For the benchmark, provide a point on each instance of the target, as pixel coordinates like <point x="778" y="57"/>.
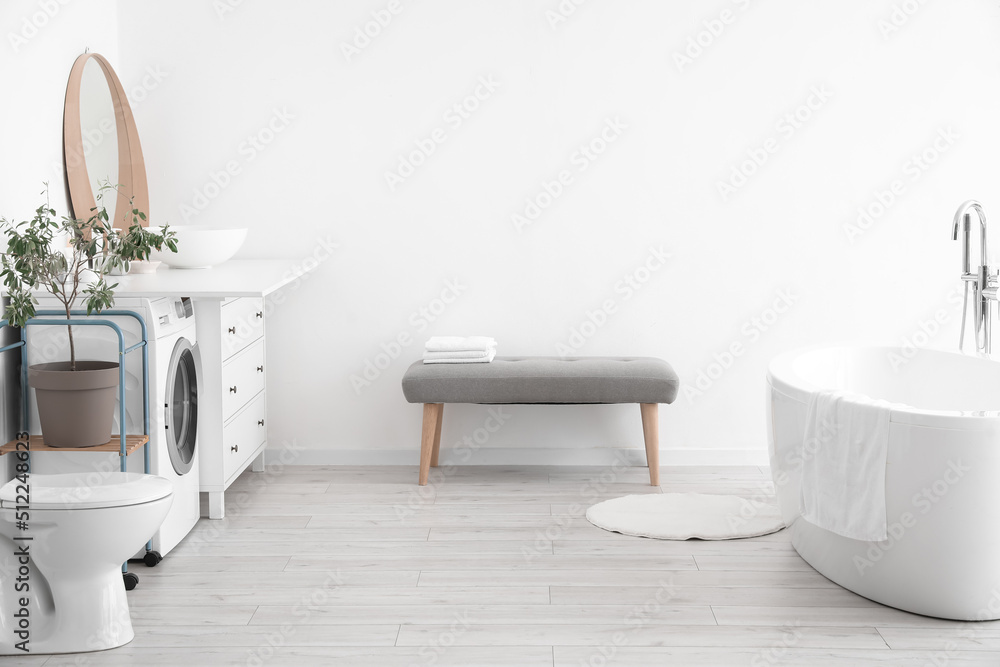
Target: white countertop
<point x="237" y="277"/>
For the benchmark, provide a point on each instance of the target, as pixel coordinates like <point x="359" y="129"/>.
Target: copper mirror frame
<point x="131" y="166"/>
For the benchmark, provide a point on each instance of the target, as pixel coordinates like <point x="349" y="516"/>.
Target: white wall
<point x="39" y="41"/>
<point x="328" y="128"/>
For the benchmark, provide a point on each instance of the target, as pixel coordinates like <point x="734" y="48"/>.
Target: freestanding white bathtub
<point x="942" y="480"/>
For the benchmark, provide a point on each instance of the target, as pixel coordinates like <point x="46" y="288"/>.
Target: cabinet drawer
<point x="242" y="436"/>
<point x="242" y="379"/>
<point x="242" y="324"/>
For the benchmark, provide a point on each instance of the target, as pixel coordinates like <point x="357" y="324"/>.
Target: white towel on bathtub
<point x="843" y="471"/>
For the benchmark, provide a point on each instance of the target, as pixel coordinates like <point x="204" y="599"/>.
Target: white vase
<point x="143" y="266"/>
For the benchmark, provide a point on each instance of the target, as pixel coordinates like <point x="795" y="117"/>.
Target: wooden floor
<point x="498" y="566"/>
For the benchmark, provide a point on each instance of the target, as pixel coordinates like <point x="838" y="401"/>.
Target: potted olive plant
<point x="75" y="399"/>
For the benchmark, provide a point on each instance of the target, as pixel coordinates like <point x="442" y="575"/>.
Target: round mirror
<point x="101" y="142"/>
<point x="98" y="131"/>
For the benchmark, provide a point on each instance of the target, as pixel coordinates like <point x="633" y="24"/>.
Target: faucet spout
<point x="981" y="280"/>
<point x="962" y="215"/>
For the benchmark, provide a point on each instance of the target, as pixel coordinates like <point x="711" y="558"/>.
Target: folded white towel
<point x="460" y="354"/>
<point x="843" y="471"/>
<point x="460" y="343"/>
<point x="484" y="358"/>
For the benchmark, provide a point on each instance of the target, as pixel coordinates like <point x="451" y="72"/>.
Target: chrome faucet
<point x="982" y="280"/>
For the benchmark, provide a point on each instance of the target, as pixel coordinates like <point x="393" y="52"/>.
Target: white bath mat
<point x="682" y="516"/>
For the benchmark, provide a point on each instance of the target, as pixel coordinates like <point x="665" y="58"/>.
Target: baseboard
<point x="517" y="456"/>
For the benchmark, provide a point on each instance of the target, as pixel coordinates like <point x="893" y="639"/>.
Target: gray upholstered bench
<point x="541" y="380"/>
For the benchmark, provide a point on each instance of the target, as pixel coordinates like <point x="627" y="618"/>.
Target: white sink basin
<point x="201" y="247"/>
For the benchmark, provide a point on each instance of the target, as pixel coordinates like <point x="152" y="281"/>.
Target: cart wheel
<point x="152" y="558"/>
<point x="131" y="580"/>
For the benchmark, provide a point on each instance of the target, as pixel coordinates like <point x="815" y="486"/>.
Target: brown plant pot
<point x="75" y="408"/>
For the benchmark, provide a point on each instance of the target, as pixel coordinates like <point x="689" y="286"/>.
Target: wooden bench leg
<point x="430" y="436"/>
<point x="437" y="436"/>
<point x="650" y="432"/>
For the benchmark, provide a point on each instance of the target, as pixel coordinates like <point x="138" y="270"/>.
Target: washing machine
<point x="174" y="379"/>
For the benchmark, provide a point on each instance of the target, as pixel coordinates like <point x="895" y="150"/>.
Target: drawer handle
<point x="234" y="448"/>
<point x="232" y="330"/>
<point x="232" y="390"/>
<point x="260" y="314"/>
<point x="260" y="369"/>
<point x="260" y="422"/>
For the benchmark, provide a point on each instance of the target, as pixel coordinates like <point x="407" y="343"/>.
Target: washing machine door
<point x="180" y="417"/>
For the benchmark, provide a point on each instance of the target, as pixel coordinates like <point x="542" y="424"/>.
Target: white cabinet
<point x="243" y="435"/>
<point x="232" y="403"/>
<point x="229" y="310"/>
<point x="242" y="378"/>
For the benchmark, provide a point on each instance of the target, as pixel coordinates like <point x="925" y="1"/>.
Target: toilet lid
<point x="91" y="490"/>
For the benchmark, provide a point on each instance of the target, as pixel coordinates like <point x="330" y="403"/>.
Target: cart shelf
<point x="123" y="445"/>
<point x="35" y="444"/>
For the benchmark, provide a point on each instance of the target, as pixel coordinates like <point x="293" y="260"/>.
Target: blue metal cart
<point x="127" y="443"/>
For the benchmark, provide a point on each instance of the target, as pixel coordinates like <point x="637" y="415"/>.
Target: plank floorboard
<point x="642" y="635"/>
<point x="623" y="572"/>
<point x="776" y="656"/>
<point x="496" y="566"/>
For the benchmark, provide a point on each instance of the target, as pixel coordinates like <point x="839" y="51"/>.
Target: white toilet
<point x="82" y="527"/>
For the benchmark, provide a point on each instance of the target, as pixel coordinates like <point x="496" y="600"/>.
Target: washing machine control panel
<point x="184" y="308"/>
<point x="170" y="314"/>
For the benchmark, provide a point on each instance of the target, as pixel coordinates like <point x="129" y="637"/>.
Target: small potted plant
<point x="75" y="399"/>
